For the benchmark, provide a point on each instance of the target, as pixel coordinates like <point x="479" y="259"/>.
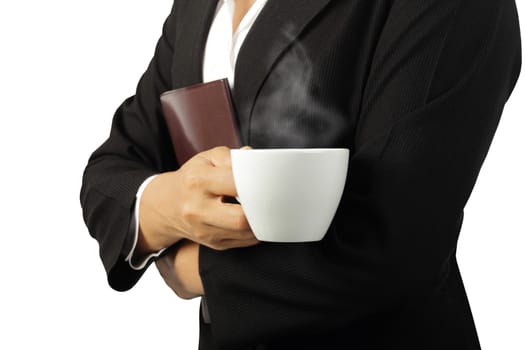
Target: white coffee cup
<point x="290" y="195"/>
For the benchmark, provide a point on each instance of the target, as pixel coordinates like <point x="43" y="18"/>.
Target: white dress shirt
<point x="220" y="57"/>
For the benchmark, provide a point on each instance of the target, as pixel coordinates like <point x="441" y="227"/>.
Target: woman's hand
<point x="190" y="204"/>
<point x="180" y="270"/>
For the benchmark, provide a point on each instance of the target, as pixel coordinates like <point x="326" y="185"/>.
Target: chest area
<point x="298" y="83"/>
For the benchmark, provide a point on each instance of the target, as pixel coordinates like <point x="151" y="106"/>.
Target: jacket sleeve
<point x="138" y="147"/>
<point x="440" y="77"/>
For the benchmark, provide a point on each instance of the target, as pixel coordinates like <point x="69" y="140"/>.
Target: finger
<point x="215" y="220"/>
<point x="219" y="238"/>
<point x="220" y="182"/>
<point x="231" y="243"/>
<point x="218" y="156"/>
<point x="211" y="233"/>
<point x="226" y="216"/>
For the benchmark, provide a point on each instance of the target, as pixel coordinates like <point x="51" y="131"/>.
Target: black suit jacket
<point x="415" y="88"/>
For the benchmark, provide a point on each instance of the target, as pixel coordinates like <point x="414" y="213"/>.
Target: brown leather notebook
<point x="200" y="117"/>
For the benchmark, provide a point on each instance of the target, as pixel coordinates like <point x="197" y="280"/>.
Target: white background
<point x="65" y="66"/>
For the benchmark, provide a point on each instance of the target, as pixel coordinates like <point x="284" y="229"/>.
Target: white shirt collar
<point x="222" y="48"/>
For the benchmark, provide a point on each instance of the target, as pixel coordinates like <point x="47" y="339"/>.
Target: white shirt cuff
<point x="131" y="259"/>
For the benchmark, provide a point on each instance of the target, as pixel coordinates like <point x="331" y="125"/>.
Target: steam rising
<point x="290" y="111"/>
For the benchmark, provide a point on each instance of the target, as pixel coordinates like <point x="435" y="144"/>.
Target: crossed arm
<point x="189" y="204"/>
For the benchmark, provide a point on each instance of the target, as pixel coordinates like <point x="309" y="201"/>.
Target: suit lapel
<point x="195" y="21"/>
<point x="277" y="26"/>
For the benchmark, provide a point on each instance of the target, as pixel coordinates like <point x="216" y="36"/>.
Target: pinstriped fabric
<point x="415" y="88"/>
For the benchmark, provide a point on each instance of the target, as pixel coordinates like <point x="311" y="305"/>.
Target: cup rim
<point x="290" y="150"/>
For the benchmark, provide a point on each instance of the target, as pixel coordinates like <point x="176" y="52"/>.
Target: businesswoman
<point x="414" y="88"/>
